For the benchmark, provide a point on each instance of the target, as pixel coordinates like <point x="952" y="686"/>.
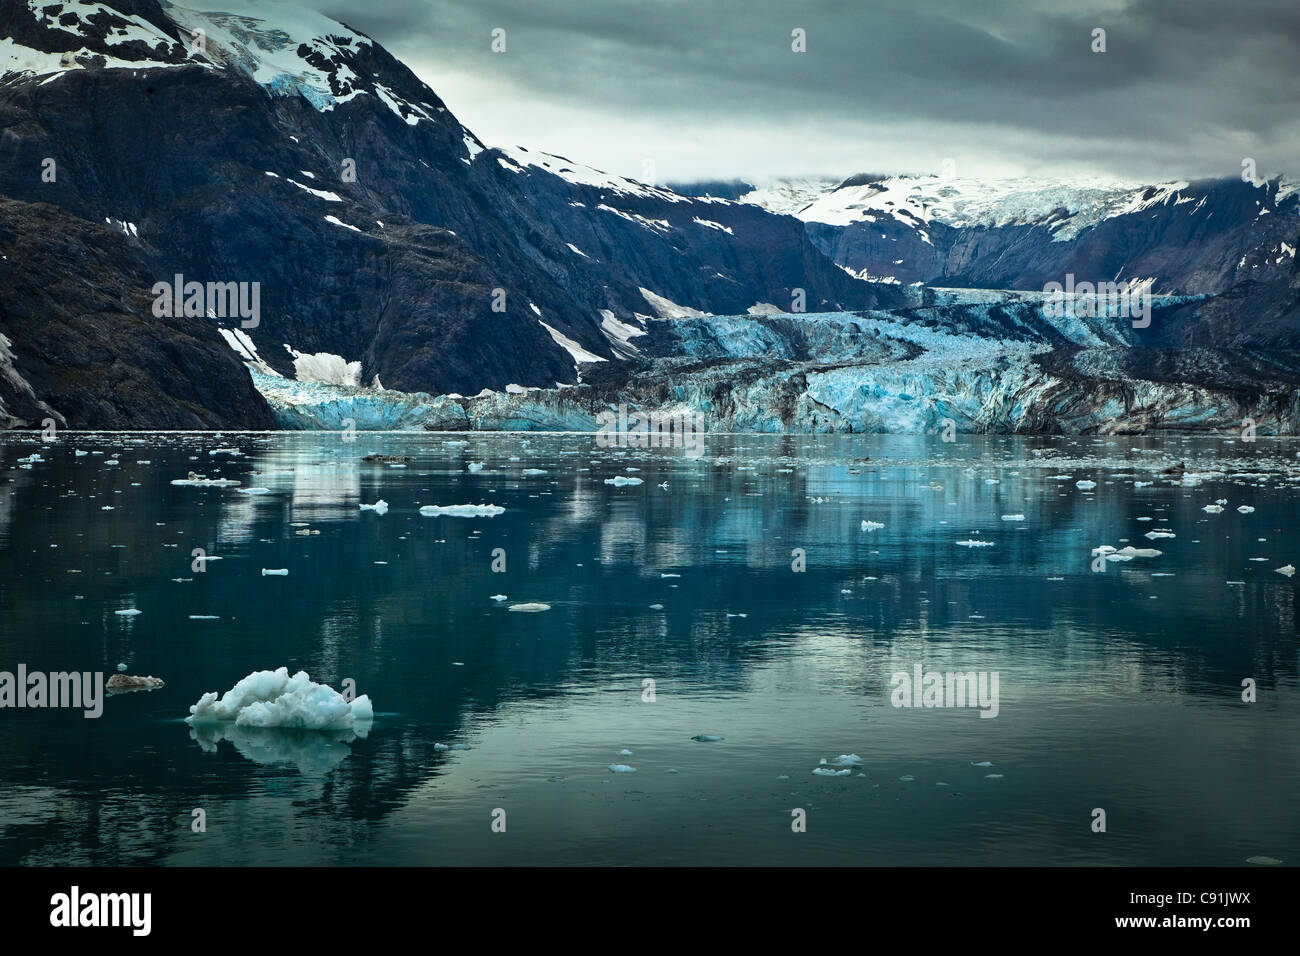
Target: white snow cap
<point x="274" y="699"/>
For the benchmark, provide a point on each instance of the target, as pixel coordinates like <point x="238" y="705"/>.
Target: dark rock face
<point x="87" y="352"/>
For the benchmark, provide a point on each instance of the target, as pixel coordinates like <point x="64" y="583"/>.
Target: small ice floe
<point x="121" y="668"/>
<point x="1153" y="535"/>
<point x="1263" y="860"/>
<point x="1286" y="569"/>
<point x="847" y="760"/>
<point x="198" y="481"/>
<point x="1213" y="509"/>
<point x="204" y="617"/>
<point x="664" y="486"/>
<point x="79" y="453"/>
<point x="981" y="763"/>
<point x="106" y="508"/>
<point x="442" y="747"/>
<point x="668" y="574"/>
<point x="621" y="768"/>
<point x="1143" y="484"/>
<point x="128" y="612"/>
<point x="975" y="543"/>
<point x="121" y="683"/>
<point x="1129" y="552"/>
<point x="1085" y="485"/>
<point x="474" y="467"/>
<point x="1104" y="549"/>
<point x="498" y="597"/>
<point x="993" y="776"/>
<point x="277" y="572"/>
<point x="253" y="491"/>
<point x="737" y="614"/>
<point x="30" y="459"/>
<point x="871" y="525"/>
<point x="1220" y="501"/>
<point x="992" y="481"/>
<point x="533" y="471"/>
<point x="1013" y="517"/>
<point x="1245" y="509"/>
<point x="276" y="699"/>
<point x="223" y="451"/>
<point x="656" y="607"/>
<point x="625" y="752"/>
<point x="530" y="606"/>
<point x="306" y="532"/>
<point x="462" y="511"/>
<point x="907" y="778"/>
<point x="708" y="738"/>
<point x="618" y="481"/>
<point x="112" y="461"/>
<point x="380" y="507"/>
<point x="827" y="772"/>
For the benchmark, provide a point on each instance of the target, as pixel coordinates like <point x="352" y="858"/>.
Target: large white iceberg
<point x="274" y="699"/>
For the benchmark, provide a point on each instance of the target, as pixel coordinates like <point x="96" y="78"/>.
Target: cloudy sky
<point x="712" y="88"/>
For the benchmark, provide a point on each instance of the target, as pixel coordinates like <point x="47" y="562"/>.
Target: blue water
<point x="1119" y="689"/>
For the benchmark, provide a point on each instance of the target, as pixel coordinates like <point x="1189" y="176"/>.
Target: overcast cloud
<point x="711" y="88"/>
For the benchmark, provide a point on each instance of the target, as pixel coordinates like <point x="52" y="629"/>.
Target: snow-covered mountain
<point x="400" y="263"/>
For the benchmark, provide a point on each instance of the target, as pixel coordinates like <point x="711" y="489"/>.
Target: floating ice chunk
<point x="907" y="778"/>
<point x="79" y="453"/>
<point x="498" y="597"/>
<point x="871" y="525"/>
<point x="975" y="543"/>
<point x="625" y="752"/>
<point x="1132" y="552"/>
<point x="1085" y="485"/>
<point x="621" y="768"/>
<point x="708" y="738"/>
<point x="1263" y="860"/>
<point x="533" y="471"/>
<point x="121" y="668"/>
<point x="224" y="451"/>
<point x="274" y="699"/>
<point x="827" y="772"/>
<point x="475" y="467"/>
<point x="1153" y="535"/>
<point x="277" y="572"/>
<point x="380" y="507"/>
<point x="981" y="763"/>
<point x="1286" y="569"/>
<point x="619" y="481"/>
<point x="1213" y="509"/>
<point x="198" y="481"/>
<point x="1245" y="509"/>
<point x="1220" y="501"/>
<point x="656" y="607"/>
<point x="1142" y="484"/>
<point x="204" y="617"/>
<point x="462" y="511"/>
<point x="668" y="574"/>
<point x="128" y="612"/>
<point x="1104" y="549"/>
<point x="1013" y="517"/>
<point x="253" y="491"/>
<point x="530" y="606"/>
<point x="847" y="760"/>
<point x="993" y="776"/>
<point x="664" y="486"/>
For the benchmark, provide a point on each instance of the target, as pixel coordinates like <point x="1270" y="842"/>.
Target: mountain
<point x="268" y="144"/>
<point x="256" y="217"/>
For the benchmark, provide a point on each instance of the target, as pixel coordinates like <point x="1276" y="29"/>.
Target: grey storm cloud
<point x="712" y="88"/>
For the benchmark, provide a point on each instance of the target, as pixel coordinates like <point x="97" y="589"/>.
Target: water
<point x="1118" y="689"/>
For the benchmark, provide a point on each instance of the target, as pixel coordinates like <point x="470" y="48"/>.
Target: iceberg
<point x="462" y="511"/>
<point x="275" y="699"/>
<point x="380" y="507"/>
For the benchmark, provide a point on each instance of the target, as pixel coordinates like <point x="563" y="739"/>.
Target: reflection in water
<point x="1119" y="688"/>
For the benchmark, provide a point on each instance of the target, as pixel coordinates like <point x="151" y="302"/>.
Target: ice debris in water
<point x="201" y="482"/>
<point x="380" y="507"/>
<point x="121" y="668"/>
<point x="619" y="481"/>
<point x="1263" y="860"/>
<point x="253" y="491"/>
<point x="621" y="768"/>
<point x="1085" y="485"/>
<point x="462" y="511"/>
<point x="1245" y="509"/>
<point x="530" y="606"/>
<point x="475" y="467"/>
<point x="975" y="543"/>
<point x="827" y="772"/>
<point x="1213" y="509"/>
<point x="128" y="612"/>
<point x="708" y="738"/>
<point x="871" y="525"/>
<point x="1152" y="535"/>
<point x="847" y="760"/>
<point x="277" y="572"/>
<point x="1286" y="569"/>
<point x="498" y="597"/>
<point x="625" y="752"/>
<point x="274" y="699"/>
<point x="1013" y="517"/>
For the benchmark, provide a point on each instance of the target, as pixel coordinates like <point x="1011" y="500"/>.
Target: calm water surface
<point x="1118" y="689"/>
